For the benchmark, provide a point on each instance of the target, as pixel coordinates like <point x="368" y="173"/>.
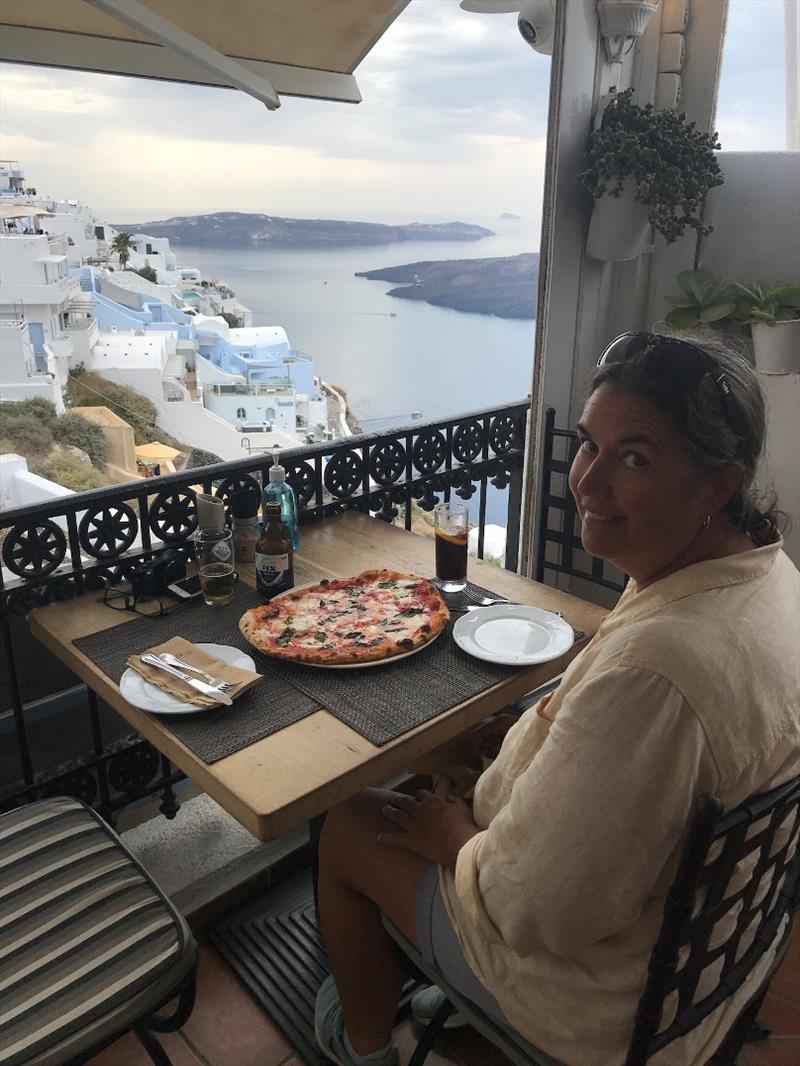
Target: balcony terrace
<point x="222" y="835"/>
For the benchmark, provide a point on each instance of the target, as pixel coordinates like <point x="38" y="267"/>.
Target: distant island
<point x="236" y="228"/>
<point x="505" y="286"/>
<point x="508" y="215"/>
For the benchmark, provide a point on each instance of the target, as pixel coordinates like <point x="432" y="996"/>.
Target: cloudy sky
<point x="452" y="125"/>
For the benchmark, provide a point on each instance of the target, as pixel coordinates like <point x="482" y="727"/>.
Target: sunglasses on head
<point x="678" y="364"/>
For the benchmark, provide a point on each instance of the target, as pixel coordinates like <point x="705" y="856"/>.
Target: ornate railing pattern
<point x="67" y="547"/>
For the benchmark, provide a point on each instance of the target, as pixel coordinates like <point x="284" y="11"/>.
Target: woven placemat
<point x="380" y="702"/>
<point x="384" y="701"/>
<point x="212" y="734"/>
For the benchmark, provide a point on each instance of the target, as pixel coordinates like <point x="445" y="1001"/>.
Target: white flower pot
<point x="777" y="347"/>
<point x="618" y="227"/>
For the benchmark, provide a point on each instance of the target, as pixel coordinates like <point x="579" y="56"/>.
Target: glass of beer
<point x="451" y="525"/>
<point x="214" y="550"/>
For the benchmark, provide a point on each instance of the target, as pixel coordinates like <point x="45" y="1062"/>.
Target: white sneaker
<point x="426" y="1002"/>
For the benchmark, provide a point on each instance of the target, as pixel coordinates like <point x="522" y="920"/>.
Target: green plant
<point x="233" y="320"/>
<point x="122" y="246"/>
<point x="29" y="435"/>
<point x="73" y="428"/>
<point x="670" y="161"/>
<point x="92" y="390"/>
<point x="67" y="470"/>
<point x="147" y="273"/>
<point x="703" y="301"/>
<point x="37" y="407"/>
<point x="769" y="304"/>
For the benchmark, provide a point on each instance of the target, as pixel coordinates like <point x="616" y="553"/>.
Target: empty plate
<point x="513" y="634"/>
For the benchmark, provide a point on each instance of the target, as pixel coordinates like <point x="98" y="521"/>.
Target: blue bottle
<point x="279" y="491"/>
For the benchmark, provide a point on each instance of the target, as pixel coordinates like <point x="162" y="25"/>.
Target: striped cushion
<point x="83" y="932"/>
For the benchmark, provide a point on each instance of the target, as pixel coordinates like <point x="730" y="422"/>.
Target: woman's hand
<point x="432" y="826"/>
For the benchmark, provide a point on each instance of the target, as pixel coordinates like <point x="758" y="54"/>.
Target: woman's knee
<point x="353" y="826"/>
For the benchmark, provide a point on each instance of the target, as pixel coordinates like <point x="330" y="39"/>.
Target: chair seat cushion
<point x="88" y="943"/>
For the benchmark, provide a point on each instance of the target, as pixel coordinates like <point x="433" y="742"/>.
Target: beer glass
<point x="451" y="529"/>
<point x="214" y="550"/>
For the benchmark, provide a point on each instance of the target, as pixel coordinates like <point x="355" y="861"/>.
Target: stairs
<point x="174" y="367"/>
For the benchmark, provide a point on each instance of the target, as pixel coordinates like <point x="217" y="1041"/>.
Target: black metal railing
<point x="67" y="547"/>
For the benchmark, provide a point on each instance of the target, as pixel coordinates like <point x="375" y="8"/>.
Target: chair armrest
<point x="521" y="705"/>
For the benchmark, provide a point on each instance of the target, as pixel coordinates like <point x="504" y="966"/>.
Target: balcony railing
<point x="72" y="546"/>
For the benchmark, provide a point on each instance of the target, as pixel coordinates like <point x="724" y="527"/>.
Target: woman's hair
<point x="698" y="417"/>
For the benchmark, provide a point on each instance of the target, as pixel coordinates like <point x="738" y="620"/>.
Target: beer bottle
<point x="274" y="555"/>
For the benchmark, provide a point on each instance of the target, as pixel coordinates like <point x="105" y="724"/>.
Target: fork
<point x="489" y="601"/>
<point x="173" y="660"/>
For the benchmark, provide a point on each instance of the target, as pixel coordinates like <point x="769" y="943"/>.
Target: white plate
<point x="513" y="634"/>
<point x="148" y="697"/>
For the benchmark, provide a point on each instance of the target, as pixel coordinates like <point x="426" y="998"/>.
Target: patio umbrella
<point x="156" y="452"/>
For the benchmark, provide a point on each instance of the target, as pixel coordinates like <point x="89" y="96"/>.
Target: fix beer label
<point x="274" y="573"/>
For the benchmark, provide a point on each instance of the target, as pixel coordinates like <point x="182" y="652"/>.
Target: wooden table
<point x="280" y="782"/>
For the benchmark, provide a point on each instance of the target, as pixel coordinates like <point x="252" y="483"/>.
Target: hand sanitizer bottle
<point x="279" y="491"/>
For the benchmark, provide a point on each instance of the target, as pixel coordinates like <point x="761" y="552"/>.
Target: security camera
<point x="537" y="21"/>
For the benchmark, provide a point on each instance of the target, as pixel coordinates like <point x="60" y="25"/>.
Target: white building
<point x="12" y="179"/>
<point x="74" y="221"/>
<point x="149" y="251"/>
<point x="141" y="360"/>
<point x="36" y="291"/>
<point x="23" y="375"/>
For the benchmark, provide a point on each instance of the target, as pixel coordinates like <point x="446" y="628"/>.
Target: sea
<point x="391" y="356"/>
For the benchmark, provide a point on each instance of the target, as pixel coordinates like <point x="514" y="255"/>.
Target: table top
<point x="280" y="782"/>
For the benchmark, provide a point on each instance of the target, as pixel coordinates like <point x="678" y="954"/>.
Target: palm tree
<point x="122" y="246"/>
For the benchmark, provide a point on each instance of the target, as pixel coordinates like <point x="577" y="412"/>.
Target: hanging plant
<point x="670" y="161"/>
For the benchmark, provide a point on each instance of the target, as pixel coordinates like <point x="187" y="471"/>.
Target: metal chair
<point x="744" y="867"/>
<point x="90" y="947"/>
<point x="560" y="549"/>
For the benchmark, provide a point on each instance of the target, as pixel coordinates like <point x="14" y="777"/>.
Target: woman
<point x="543" y="900"/>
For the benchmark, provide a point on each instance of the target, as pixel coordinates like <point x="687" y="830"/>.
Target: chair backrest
<point x="560" y="550"/>
<point x="738" y="879"/>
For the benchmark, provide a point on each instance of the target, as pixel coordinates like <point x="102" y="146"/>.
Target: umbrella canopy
<point x="8" y="211"/>
<point x="295" y="47"/>
<point x="156" y="452"/>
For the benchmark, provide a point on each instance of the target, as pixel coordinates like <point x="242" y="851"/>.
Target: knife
<point x="201" y="686"/>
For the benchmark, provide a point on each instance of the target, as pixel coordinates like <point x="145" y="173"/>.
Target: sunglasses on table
<point x="677" y="364"/>
<point x="120" y="597"/>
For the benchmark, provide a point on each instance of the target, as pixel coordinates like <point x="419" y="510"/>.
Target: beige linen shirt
<point x="691" y="685"/>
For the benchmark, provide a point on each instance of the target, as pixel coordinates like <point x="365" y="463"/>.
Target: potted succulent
<point x="773" y="314"/>
<point x="704" y="302"/>
<point x="645" y="168"/>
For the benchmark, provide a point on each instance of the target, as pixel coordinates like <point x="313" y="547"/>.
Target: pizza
<point x="377" y="615"/>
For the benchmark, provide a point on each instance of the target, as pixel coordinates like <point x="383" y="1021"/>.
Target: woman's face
<point x="639" y="497"/>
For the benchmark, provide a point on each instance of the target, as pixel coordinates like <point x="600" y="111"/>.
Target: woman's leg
<point x="358" y="879"/>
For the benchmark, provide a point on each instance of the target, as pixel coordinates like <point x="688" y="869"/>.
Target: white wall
<point x="276" y="409"/>
<point x="20" y="488"/>
<point x="19" y="378"/>
<point x="192" y="424"/>
<point x="80" y="230"/>
<point x="756" y="236"/>
<point x="143" y="380"/>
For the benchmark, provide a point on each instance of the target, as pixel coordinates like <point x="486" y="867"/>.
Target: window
<point x="241" y="413"/>
<point x="758" y="78"/>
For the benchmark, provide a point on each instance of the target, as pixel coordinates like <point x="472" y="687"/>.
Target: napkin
<point x="190" y="653"/>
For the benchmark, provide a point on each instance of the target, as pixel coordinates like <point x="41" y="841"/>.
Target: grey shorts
<point x="439" y="944"/>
